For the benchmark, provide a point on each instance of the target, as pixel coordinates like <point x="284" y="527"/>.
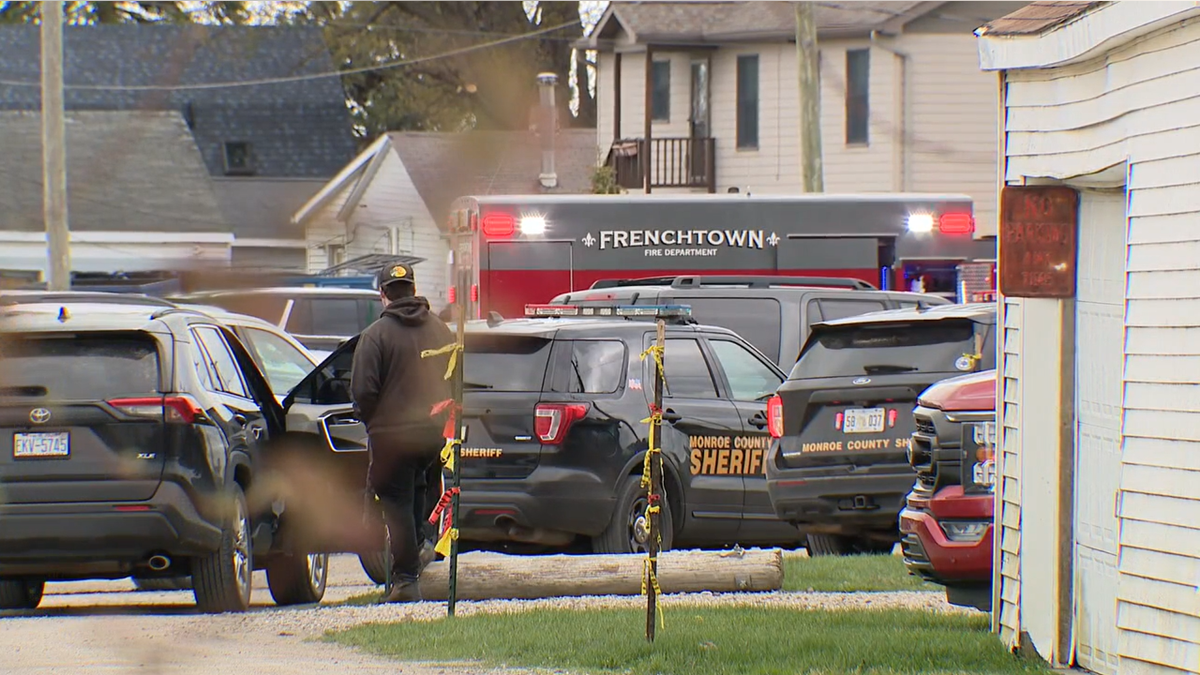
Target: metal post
<point x="54" y="155"/>
<point x="461" y="240"/>
<point x="811" y="178"/>
<point x="655" y="490"/>
<point x="647" y="117"/>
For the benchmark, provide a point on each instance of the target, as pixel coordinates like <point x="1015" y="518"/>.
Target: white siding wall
<point x="392" y="201"/>
<point x="1138" y="103"/>
<point x="323" y="228"/>
<point x="1006" y="565"/>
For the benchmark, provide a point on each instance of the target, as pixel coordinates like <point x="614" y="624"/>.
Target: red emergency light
<point x="474" y="292"/>
<point x="956" y="223"/>
<point x="499" y="225"/>
<point x="452" y="295"/>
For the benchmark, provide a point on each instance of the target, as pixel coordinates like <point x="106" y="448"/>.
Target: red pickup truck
<point x="946" y="525"/>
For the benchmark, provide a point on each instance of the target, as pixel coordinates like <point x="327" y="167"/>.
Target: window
<point x="221" y="362"/>
<point x="282" y="364"/>
<point x="79" y="367"/>
<point x="686" y="371"/>
<point x="660" y="91"/>
<point x="239" y="158"/>
<point x="335" y="254"/>
<point x="335" y="316"/>
<point x="889" y="348"/>
<point x="747" y="101"/>
<point x="840" y="309"/>
<point x="505" y="362"/>
<point x="858" y="109"/>
<point x="266" y="307"/>
<point x="755" y="319"/>
<point x="749" y="378"/>
<point x="597" y="366"/>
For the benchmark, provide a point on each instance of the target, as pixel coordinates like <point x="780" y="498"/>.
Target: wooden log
<point x="488" y="576"/>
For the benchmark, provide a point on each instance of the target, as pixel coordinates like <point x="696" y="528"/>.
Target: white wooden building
<point x="1098" y="555"/>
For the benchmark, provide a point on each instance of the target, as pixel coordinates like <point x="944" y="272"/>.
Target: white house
<point x="1098" y="554"/>
<point x="904" y="106"/>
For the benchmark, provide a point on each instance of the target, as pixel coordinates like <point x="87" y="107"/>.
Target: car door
<point x="321" y="404"/>
<point x="749" y="379"/>
<point x="699" y="425"/>
<point x="236" y="412"/>
<point x="282" y="363"/>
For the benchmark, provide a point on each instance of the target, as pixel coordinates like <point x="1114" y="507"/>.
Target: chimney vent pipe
<point x="548" y="128"/>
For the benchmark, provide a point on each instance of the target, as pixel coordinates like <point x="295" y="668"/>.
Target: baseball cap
<point x="391" y="274"/>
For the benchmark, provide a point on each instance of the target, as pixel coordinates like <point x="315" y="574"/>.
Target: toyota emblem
<point x="39" y="415"/>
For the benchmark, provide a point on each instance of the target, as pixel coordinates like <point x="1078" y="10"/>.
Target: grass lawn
<point x="704" y="641"/>
<point x="850" y="573"/>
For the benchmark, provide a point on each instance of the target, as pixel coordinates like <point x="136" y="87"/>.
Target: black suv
<point x="775" y="314"/>
<point x="555" y="439"/>
<point x="842" y="423"/>
<point x="138" y="435"/>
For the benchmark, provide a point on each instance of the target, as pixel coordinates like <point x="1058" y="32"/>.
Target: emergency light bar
<point x="660" y="311"/>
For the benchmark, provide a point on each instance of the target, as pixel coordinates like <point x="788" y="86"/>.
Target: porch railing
<point x="674" y="163"/>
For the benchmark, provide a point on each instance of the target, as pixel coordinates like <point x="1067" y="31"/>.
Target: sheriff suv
<point x="136" y="439"/>
<point x="838" y="466"/>
<point x="773" y="313"/>
<point x="555" y="441"/>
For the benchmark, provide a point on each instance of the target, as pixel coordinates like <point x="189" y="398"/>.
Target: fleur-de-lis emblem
<point x="589" y="240"/>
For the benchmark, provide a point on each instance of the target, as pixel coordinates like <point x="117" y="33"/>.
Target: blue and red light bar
<point x="658" y="311"/>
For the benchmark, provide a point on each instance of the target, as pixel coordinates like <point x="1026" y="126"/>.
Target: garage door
<point x="1099" y="325"/>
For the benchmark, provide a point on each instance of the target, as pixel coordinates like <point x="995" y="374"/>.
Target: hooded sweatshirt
<point x="394" y="389"/>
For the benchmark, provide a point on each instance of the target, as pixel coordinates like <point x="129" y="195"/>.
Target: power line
<point x="301" y="78"/>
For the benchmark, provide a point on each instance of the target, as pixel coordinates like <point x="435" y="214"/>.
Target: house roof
<point x="263" y="207"/>
<point x="1038" y="17"/>
<point x="445" y="167"/>
<point x="299" y="128"/>
<point x="126" y="171"/>
<point x="705" y="22"/>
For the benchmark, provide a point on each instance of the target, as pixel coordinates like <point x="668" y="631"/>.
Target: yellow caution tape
<point x="650" y="580"/>
<point x="443" y="545"/>
<point x="452" y="349"/>
<point x="447" y="455"/>
<point x="656" y="352"/>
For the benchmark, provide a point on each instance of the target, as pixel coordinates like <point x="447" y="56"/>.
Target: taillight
<point x="551" y="421"/>
<point x="838" y="419"/>
<point x="173" y="409"/>
<point x="775" y="416"/>
<point x="892" y="415"/>
<point x="499" y="225"/>
<point x="956" y="223"/>
<point x="452" y="295"/>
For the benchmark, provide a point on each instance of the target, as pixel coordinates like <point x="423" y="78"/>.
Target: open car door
<point x="321" y="404"/>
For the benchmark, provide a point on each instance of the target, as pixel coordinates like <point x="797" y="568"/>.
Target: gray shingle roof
<point x="1038" y="17"/>
<point x="126" y="171"/>
<point x="263" y="207"/>
<point x="299" y="129"/>
<point x="697" y="22"/>
<point x="445" y="167"/>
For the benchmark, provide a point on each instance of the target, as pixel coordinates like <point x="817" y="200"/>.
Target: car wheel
<point x="221" y="580"/>
<point x="376" y="566"/>
<point x="626" y="530"/>
<point x="20" y="593"/>
<point x="298" y="579"/>
<point x="829" y="544"/>
<point x="164" y="584"/>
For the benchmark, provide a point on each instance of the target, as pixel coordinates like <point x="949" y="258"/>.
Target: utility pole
<point x="811" y="174"/>
<point x="54" y="151"/>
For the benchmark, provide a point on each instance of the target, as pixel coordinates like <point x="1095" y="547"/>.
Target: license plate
<point x="42" y="445"/>
<point x="863" y="421"/>
<point x="985" y="473"/>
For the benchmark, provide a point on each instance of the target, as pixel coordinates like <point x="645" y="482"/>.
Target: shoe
<point x="427" y="555"/>
<point x="403" y="591"/>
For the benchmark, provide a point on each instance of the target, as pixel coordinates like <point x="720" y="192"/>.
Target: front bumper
<point x="74" y="540"/>
<point x="930" y="554"/>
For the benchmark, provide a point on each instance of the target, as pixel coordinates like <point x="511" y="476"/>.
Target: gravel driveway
<point x="107" y="627"/>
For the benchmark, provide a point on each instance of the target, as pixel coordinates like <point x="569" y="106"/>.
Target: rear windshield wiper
<point x="875" y="369"/>
<point x="30" y="390"/>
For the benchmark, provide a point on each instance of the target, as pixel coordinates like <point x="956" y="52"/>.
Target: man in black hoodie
<point x="394" y="391"/>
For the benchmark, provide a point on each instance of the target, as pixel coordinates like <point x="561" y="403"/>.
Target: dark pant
<point x="400" y="465"/>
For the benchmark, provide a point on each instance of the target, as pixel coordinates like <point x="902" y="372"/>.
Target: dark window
<point x="300" y="320"/>
<point x="596" y="367"/>
<point x="266" y="307"/>
<point x="330" y="385"/>
<point x="282" y="364"/>
<point x="239" y="158"/>
<point x="687" y="374"/>
<point x="221" y="363"/>
<point x="858" y="90"/>
<point x="887" y="348"/>
<point x="371" y="310"/>
<point x="755" y="319"/>
<point x="505" y="362"/>
<point x="747" y="101"/>
<point x="79" y="367"/>
<point x="660" y="97"/>
<point x="336" y="316"/>
<point x="840" y="309"/>
<point x="749" y="378"/>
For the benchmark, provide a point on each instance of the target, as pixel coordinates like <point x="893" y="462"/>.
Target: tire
<point x="20" y="594"/>
<point x="298" y="579"/>
<point x="836" y="544"/>
<point x="164" y="584"/>
<point x="619" y="536"/>
<point x="376" y="566"/>
<point x="222" y="580"/>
